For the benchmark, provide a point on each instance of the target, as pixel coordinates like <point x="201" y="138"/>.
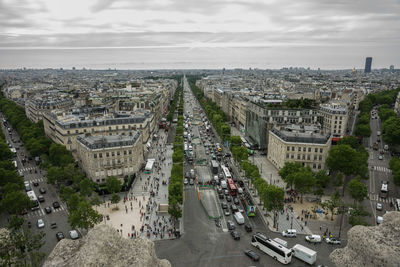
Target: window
<point x="288" y="148"/>
<point x="107" y="154"/>
<point x="109" y="128"/>
<point x="304" y="149"/>
<point x="298" y="156"/>
<point x="287" y="156"/>
<point x="292" y="148"/>
<point x="113" y="153"/>
<point x="314" y="166"/>
<point x="130" y="152"/>
<point x="308" y="157"/>
<point x="299" y="149"/>
<point x="320" y="157"/>
<point x="304" y="156"/>
<point x="118" y="153"/>
<point x="316" y="150"/>
<point x="100" y="155"/>
<point x="76" y="131"/>
<point x="320" y="150"/>
<point x="292" y="156"/>
<point x="95" y="156"/>
<point x="124" y="152"/>
<point x="309" y="149"/>
<point x="319" y="166"/>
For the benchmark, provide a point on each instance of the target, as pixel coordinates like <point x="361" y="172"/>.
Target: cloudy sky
<point x="232" y="33"/>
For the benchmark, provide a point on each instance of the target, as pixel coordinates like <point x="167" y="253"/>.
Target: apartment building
<point x="335" y="116"/>
<point x="110" y="155"/>
<point x="262" y="116"/>
<point x="294" y="143"/>
<point x="238" y="107"/>
<point x="64" y="128"/>
<point x="37" y="106"/>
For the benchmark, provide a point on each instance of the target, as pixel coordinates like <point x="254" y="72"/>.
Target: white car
<point x="333" y="240"/>
<point x="73" y="234"/>
<point x="313" y="238"/>
<point x="40" y="223"/>
<point x="380" y="157"/>
<point x="378" y="206"/>
<point x="289" y="233"/>
<point x="185" y="182"/>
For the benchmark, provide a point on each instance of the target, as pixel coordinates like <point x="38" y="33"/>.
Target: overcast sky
<point x="344" y="27"/>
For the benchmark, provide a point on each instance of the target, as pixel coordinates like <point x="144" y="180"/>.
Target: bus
<point x="397" y="204"/>
<point x="226" y="172"/>
<point x="272" y="248"/>
<point x="149" y="166"/>
<point x="248" y="205"/>
<point x="232" y="187"/>
<point x="214" y="166"/>
<point x="33" y="198"/>
<point x="384" y="191"/>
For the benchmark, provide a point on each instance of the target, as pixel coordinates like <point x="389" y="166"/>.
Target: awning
<point x="335" y="139"/>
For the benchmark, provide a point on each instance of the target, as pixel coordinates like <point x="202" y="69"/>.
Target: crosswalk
<point x="41" y="212"/>
<point x="28" y="169"/>
<point x="39" y="180"/>
<point x="382" y="169"/>
<point x="375" y="197"/>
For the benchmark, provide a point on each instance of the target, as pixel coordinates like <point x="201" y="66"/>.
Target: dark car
<point x="228" y="198"/>
<point x="41" y="198"/>
<point x="235" y="235"/>
<point x="252" y="255"/>
<point x="42" y="190"/>
<point x="236" y="200"/>
<point x="241" y="184"/>
<point x="47" y="210"/>
<point x="234" y="208"/>
<point x="248" y="228"/>
<point x="230" y="225"/>
<point x="227" y="155"/>
<point x="35" y="183"/>
<point x="224" y="205"/>
<point x="221" y="196"/>
<point x="60" y="235"/>
<point x="56" y="205"/>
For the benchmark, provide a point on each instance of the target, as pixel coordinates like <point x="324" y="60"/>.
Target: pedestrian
<point x="320" y="228"/>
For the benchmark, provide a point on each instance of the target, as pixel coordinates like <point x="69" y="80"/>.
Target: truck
<point x="375" y="146"/>
<point x="239" y="217"/>
<point x="305" y="254"/>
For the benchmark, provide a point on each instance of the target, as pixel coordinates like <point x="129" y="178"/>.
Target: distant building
<point x="368" y="63"/>
<point x="334" y="118"/>
<point x="110" y="155"/>
<point x="391" y="68"/>
<point x="296" y="143"/>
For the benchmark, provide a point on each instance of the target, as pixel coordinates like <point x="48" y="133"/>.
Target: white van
<point x="224" y="185"/>
<point x="239" y="217"/>
<point x="289" y="233"/>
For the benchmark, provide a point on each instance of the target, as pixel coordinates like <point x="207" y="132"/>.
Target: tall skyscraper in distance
<point x="368" y="63"/>
<point x="391" y="68"/>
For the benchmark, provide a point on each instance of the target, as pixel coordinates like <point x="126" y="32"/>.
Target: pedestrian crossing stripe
<point x="375" y="197"/>
<point x="40" y="212"/>
<point x="382" y="169"/>
<point x="28" y="169"/>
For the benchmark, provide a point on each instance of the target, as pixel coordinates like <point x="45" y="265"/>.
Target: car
<point x="219" y="190"/>
<point x="221" y="196"/>
<point x="234" y="208"/>
<point x="241" y="184"/>
<point x="47" y="210"/>
<point x="41" y="198"/>
<point x="218" y="223"/>
<point x="207" y="152"/>
<point x="230" y="225"/>
<point x="56" y="205"/>
<point x="313" y="238"/>
<point x="333" y="240"/>
<point x="248" y="228"/>
<point x="227" y="155"/>
<point x="191" y="182"/>
<point x="40" y="223"/>
<point x="378" y="206"/>
<point x="227" y="212"/>
<point x="187" y="174"/>
<point x="73" y="234"/>
<point x="384" y="182"/>
<point x="224" y="205"/>
<point x="235" y="235"/>
<point x="226" y="192"/>
<point x="42" y="190"/>
<point x="380" y="157"/>
<point x="240" y="209"/>
<point x="185" y="181"/>
<point x="35" y="184"/>
<point x="228" y="198"/>
<point x="236" y="200"/>
<point x="60" y="235"/>
<point x="252" y="255"/>
<point x="289" y="233"/>
<point x="378" y="140"/>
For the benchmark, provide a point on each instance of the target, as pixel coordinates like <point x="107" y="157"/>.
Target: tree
<point x="84" y="216"/>
<point x="338" y="181"/>
<point x="5" y="152"/>
<point x="174" y="210"/>
<point x="15" y="201"/>
<point x="322" y="179"/>
<point x="95" y="200"/>
<point x="86" y="187"/>
<point x="343" y="158"/>
<point x="363" y="130"/>
<point x="304" y="181"/>
<point x="56" y="176"/>
<point x="59" y="155"/>
<point x="332" y="203"/>
<point x="115" y="199"/>
<point x="357" y="190"/>
<point x="391" y="131"/>
<point x="350" y="140"/>
<point x="288" y="171"/>
<point x="235" y="141"/>
<point x="113" y="185"/>
<point x="273" y="198"/>
<point x="66" y="192"/>
<point x="357" y="214"/>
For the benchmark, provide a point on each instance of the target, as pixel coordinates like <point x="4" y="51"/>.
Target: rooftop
<point x="301" y="134"/>
<point x="108" y="141"/>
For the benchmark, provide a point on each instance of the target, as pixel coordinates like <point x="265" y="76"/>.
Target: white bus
<point x="226" y="172"/>
<point x="272" y="248"/>
<point x="33" y="198"/>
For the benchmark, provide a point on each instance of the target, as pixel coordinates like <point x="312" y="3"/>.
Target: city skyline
<point x="192" y="34"/>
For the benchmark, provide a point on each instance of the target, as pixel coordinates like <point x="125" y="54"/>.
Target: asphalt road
<point x="205" y="244"/>
<point x="32" y="174"/>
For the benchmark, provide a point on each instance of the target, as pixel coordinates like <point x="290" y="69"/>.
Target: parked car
<point x="235" y="235"/>
<point x="252" y="255"/>
<point x="60" y="235"/>
<point x="40" y="223"/>
<point x="313" y="238"/>
<point x="333" y="240"/>
<point x="230" y="225"/>
<point x="380" y="157"/>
